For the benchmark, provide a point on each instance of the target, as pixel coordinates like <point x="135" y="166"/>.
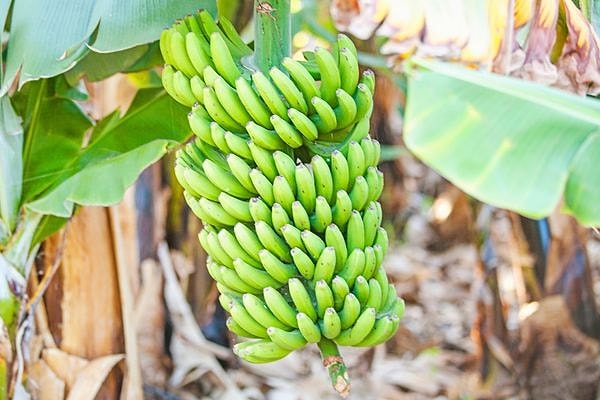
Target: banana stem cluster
<point x="283" y="175"/>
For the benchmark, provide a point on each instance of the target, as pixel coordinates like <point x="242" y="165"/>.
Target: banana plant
<point x="53" y="156"/>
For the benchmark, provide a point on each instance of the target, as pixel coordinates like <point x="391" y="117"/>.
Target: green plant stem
<point x="272" y="33"/>
<point x="333" y="361"/>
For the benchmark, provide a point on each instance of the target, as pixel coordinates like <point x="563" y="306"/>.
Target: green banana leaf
<point x="507" y="142"/>
<point x="60" y="172"/>
<point x="48" y="37"/>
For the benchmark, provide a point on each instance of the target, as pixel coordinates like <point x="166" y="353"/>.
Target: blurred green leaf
<point x="61" y="170"/>
<point x="48" y="225"/>
<point x="47" y="37"/>
<point x="510" y="143"/>
<point x="11" y="143"/>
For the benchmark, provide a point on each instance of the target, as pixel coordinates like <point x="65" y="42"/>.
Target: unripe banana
<point x="350" y="311"/>
<point x="199" y="185"/>
<point x="265" y="138"/>
<point x="181" y="86"/>
<point x="218" y="137"/>
<point x="292" y="340"/>
<point x="216" y="211"/>
<point x="300" y="216"/>
<point x="224" y="180"/>
<point x="370" y="262"/>
<point x="361" y="289"/>
<point x="330" y="75"/>
<point x="303" y="263"/>
<point x="342" y="211"/>
<point x="325" y="266"/>
<point x="233" y="249"/>
<point x="368" y="79"/>
<point x="179" y="54"/>
<point x="284" y="194"/>
<point x="309" y="329"/>
<point x="165" y="46"/>
<point x="238" y="209"/>
<point x="215" y="250"/>
<point x="248" y="239"/>
<point x="264" y="160"/>
<point x="304" y="124"/>
<point x="167" y="81"/>
<point x="340" y="290"/>
<point x="302" y="78"/>
<point x="340" y="171"/>
<point x="260" y="211"/>
<point x="364" y="101"/>
<point x="292" y="94"/>
<point x="241" y="171"/>
<point x="305" y="188"/>
<point x="269" y="94"/>
<point x="260" y="312"/>
<point x="260" y="351"/>
<point x="383" y="329"/>
<point x="363" y="325"/>
<point x="349" y="72"/>
<point x="323" y="178"/>
<point x="279" y="217"/>
<point x="292" y="236"/>
<point x="356" y="161"/>
<point x="324" y="297"/>
<point x="345" y="41"/>
<point x="255" y="277"/>
<point x="287" y="132"/>
<point x="324" y="119"/>
<point x="382" y="239"/>
<point x="335" y="238"/>
<point x="272" y="242"/>
<point x="280" y="307"/>
<point x="232" y="279"/>
<point x="345" y="112"/>
<point x="322" y="217"/>
<point x="238" y="330"/>
<point x="196" y="49"/>
<point x="238" y="145"/>
<point x="331" y="324"/>
<point x="302" y="300"/>
<point x="375" y="295"/>
<point x="253" y="103"/>
<point x="230" y="101"/>
<point x="263" y="186"/>
<point x="374" y="179"/>
<point x="355" y="265"/>
<point x="286" y="167"/>
<point x="209" y="75"/>
<point x="359" y="195"/>
<point x="197" y="86"/>
<point x="217" y="112"/>
<point x="222" y="58"/>
<point x="200" y="126"/>
<point x="355" y="232"/>
<point x="275" y="267"/>
<point x="313" y="244"/>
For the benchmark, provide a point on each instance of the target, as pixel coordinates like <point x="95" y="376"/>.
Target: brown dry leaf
<point x="193" y="356"/>
<point x="478" y="33"/>
<point x="43" y="383"/>
<point x="149" y="321"/>
<point x="90" y="378"/>
<point x="66" y="366"/>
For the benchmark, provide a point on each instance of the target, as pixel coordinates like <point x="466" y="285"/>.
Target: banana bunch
<point x="284" y="176"/>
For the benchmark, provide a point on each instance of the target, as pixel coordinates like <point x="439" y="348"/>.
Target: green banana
<point x="324" y="119"/>
<point x="342" y="211"/>
<point x="179" y="54"/>
<point x="304" y="124"/>
<point x="167" y="81"/>
<point x="355" y="232"/>
<point x="197" y="86"/>
<point x="340" y="290"/>
<point x="300" y="216"/>
<point x="181" y="86"/>
<point x="200" y="126"/>
<point x="224" y="180"/>
<point x="260" y="351"/>
<point x="375" y="294"/>
<point x="234" y="250"/>
<point x="222" y="58"/>
<point x="253" y="103"/>
<point x="359" y="195"/>
<point x="261" y="313"/>
<point x="349" y="73"/>
<point x="335" y="238"/>
<point x="340" y="171"/>
<point x="286" y="167"/>
<point x="370" y="262"/>
<point x="216" y="211"/>
<point x="314" y="244"/>
<point x="345" y="112"/>
<point x="218" y="137"/>
<point x="257" y="278"/>
<point x="322" y="217"/>
<point x="217" y="112"/>
<point x="272" y="241"/>
<point x="302" y="299"/>
<point x="305" y="188"/>
<point x="330" y="75"/>
<point x="263" y="186"/>
<point x="384" y="328"/>
<point x="303" y="263"/>
<point x="199" y="185"/>
<point x="302" y="78"/>
<point x="196" y="50"/>
<point x="323" y="178"/>
<point x="237" y="145"/>
<point x="361" y="289"/>
<point x="292" y="236"/>
<point x="355" y="265"/>
<point x="363" y="325"/>
<point x="235" y="328"/>
<point x="231" y="279"/>
<point x="259" y="210"/>
<point x="279" y="217"/>
<point x="248" y="239"/>
<point x="241" y="171"/>
<point x="371" y="222"/>
<point x="279" y="270"/>
<point x="269" y="94"/>
<point x="238" y="209"/>
<point x="230" y="101"/>
<point x="309" y="329"/>
<point x="283" y="193"/>
<point x="331" y="324"/>
<point x="286" y="132"/>
<point x="290" y="92"/>
<point x="325" y="265"/>
<point x="374" y="179"/>
<point x="280" y="307"/>
<point x="350" y="311"/>
<point x="292" y="340"/>
<point x="264" y="160"/>
<point x="356" y="161"/>
<point x="266" y="138"/>
<point x="324" y="297"/>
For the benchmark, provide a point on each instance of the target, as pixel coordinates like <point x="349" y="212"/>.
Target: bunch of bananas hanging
<point x="284" y="176"/>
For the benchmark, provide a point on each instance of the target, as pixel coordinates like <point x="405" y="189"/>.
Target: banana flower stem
<point x="334" y="363"/>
